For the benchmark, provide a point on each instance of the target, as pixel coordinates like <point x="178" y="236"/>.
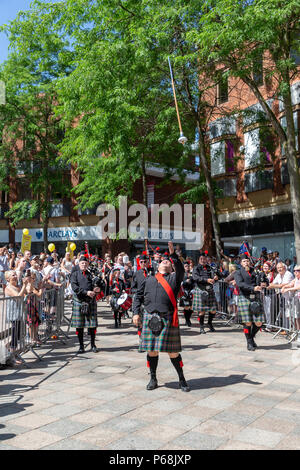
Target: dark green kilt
<point x="204" y="303"/>
<point x="79" y="320"/>
<point x="168" y="340"/>
<point x="245" y="316"/>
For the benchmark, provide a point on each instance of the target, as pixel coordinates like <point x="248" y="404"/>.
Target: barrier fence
<point x="281" y="310"/>
<point x="27" y="322"/>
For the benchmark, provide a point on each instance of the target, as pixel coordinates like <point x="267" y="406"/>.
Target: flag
<point x="244" y="249"/>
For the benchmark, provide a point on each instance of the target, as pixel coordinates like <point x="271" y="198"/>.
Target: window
<point x="150" y="195"/>
<point x="223" y="90"/>
<point x="229" y="161"/>
<point x="217" y="158"/>
<point x="252" y="150"/>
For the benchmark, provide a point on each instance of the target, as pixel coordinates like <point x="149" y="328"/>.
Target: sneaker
<point x="94" y="349"/>
<point x="202" y="330"/>
<point x="81" y="350"/>
<point x="211" y="328"/>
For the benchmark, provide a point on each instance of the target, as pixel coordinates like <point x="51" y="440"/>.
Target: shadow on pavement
<point x="214" y="382"/>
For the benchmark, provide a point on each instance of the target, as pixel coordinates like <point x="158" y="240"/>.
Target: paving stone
<point x="65" y="428"/>
<point x="258" y="436"/>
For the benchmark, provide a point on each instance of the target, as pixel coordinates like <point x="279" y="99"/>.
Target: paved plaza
<point x="239" y="399"/>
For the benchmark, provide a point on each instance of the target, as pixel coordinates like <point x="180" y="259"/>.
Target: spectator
<point x="4" y="266"/>
<point x="294" y="286"/>
<point x="14" y="311"/>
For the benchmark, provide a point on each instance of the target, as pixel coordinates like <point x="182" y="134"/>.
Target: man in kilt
<point x="84" y="311"/>
<point x="160" y="328"/>
<point x="137" y="280"/>
<point x="204" y="300"/>
<point x="250" y="307"/>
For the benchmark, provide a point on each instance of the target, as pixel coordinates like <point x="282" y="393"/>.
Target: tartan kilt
<point x="168" y="340"/>
<point x="204" y="304"/>
<point x="79" y="320"/>
<point x="244" y="313"/>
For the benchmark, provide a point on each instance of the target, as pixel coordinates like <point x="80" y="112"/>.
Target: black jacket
<point x="81" y="283"/>
<point x="201" y="273"/>
<point x="152" y="295"/>
<point x="138" y="278"/>
<point x="246" y="281"/>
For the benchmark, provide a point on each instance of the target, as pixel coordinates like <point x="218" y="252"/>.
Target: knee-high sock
<point x="79" y="332"/>
<point x="177" y="363"/>
<point x="152" y="362"/>
<point x="211" y="316"/>
<point x="254" y="330"/>
<point x="247" y="331"/>
<point x="92" y="332"/>
<point x="201" y="320"/>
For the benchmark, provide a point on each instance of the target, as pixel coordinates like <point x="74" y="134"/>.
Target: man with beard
<point x="84" y="303"/>
<point x="160" y="330"/>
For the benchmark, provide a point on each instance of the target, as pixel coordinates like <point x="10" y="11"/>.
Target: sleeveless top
<point x="14" y="308"/>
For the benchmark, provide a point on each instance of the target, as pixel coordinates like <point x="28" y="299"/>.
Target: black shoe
<point x="254" y="343"/>
<point x="188" y="323"/>
<point x="211" y="328"/>
<point x="250" y="345"/>
<point x="81" y="350"/>
<point x="94" y="349"/>
<point x="152" y="384"/>
<point x="184" y="386"/>
<point x="202" y="330"/>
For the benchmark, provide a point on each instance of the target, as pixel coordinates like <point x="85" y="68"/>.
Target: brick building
<point x="250" y="167"/>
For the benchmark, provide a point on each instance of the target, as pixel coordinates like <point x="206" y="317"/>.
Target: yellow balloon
<point x="73" y="246"/>
<point x="51" y="247"/>
<point x="26" y="231"/>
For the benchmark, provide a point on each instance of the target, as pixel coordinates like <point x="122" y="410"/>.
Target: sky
<point x="8" y="11"/>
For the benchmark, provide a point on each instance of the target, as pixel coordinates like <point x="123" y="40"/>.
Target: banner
<point x="26" y="243"/>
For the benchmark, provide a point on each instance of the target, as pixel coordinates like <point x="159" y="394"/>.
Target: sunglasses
<point x="296" y="270"/>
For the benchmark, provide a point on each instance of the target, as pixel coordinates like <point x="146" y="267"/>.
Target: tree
<point x="237" y="34"/>
<point x="125" y="109"/>
<point x="29" y="127"/>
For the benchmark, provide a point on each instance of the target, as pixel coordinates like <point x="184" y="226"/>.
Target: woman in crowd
<point x="294" y="286"/>
<point x="33" y="295"/>
<point x="14" y="301"/>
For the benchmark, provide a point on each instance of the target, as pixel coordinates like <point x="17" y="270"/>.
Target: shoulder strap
<point x="166" y="286"/>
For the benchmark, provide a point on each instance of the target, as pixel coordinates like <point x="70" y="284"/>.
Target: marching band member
<point x="117" y="286"/>
<point x="160" y="330"/>
<point x="187" y="299"/>
<point x="204" y="300"/>
<point x="250" y="309"/>
<point x="84" y="303"/>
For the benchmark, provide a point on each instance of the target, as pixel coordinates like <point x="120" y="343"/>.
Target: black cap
<point x="83" y="258"/>
<point x="50" y="260"/>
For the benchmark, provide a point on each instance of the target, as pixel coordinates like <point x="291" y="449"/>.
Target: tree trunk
<point x="211" y="195"/>
<point x="293" y="170"/>
<point x="45" y="228"/>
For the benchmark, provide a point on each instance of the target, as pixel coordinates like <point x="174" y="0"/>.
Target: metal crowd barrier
<point x="28" y="322"/>
<point x="280" y="309"/>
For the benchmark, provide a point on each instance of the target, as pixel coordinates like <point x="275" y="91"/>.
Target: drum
<point x="122" y="299"/>
<point x="127" y="304"/>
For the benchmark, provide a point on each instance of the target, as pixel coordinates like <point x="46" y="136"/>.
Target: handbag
<point x="155" y="324"/>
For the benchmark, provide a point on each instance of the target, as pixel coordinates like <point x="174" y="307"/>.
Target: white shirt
<point x="285" y="279"/>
